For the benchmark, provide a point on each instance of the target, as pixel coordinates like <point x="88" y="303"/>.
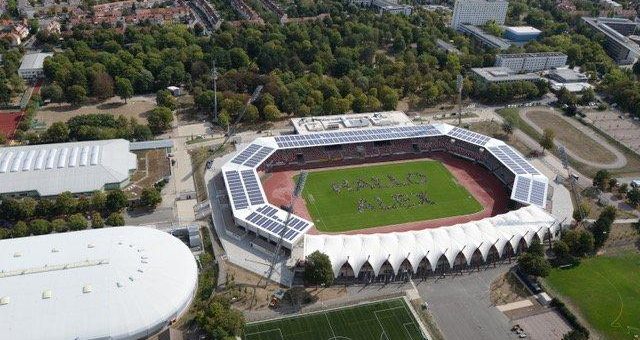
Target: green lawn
<point x="364" y="322"/>
<point x="607" y="292"/>
<point x="377" y="195"/>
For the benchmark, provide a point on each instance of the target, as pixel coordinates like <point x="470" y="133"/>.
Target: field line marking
<point x="407" y="330"/>
<point x="267" y="331"/>
<point x="329" y="322"/>
<point x="615" y="323"/>
<point x="375" y="313"/>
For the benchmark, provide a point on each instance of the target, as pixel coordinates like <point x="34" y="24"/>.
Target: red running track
<point x="485" y="187"/>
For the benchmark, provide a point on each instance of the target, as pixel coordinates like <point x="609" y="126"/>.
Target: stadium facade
<point x="111" y="283"/>
<point x="501" y="234"/>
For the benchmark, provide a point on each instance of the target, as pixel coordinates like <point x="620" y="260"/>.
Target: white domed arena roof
<point x="112" y="283"/>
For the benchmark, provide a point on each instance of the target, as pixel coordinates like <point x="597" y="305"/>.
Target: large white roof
<point x="51" y="169"/>
<point x="112" y="283"/>
<point x="414" y="246"/>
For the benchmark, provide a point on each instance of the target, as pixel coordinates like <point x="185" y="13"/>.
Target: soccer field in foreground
<point x="377" y="195"/>
<point x="607" y="292"/>
<point x="384" y="320"/>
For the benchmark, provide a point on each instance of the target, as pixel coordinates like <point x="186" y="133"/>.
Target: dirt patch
<point x="507" y="289"/>
<point x="153" y="166"/>
<point x="481" y="183"/>
<point x="136" y="107"/>
<point x="254" y="293"/>
<point x="571" y="137"/>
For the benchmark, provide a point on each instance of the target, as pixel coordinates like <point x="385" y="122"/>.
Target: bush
<point x="115" y="219"/>
<point x="571" y="319"/>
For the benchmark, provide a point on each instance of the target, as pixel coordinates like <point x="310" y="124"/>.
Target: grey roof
<point x="34" y="61"/>
<point x="602" y="25"/>
<point x="151" y="144"/>
<point x="530" y="55"/>
<point x="497" y="74"/>
<point x="485" y="37"/>
<point x="51" y="169"/>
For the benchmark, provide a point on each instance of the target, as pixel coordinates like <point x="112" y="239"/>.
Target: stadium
<point x="385" y="198"/>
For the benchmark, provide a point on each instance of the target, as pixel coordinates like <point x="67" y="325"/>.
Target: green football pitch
<point x="384" y="320"/>
<point x="606" y="289"/>
<point x="377" y="195"/>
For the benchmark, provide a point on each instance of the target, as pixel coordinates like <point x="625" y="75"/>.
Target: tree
<point x="536" y="248"/>
<point x="39" y="227"/>
<point x="20" y="229"/>
<point x="96" y="220"/>
<point x="5" y="92"/>
<point x="116" y="200"/>
<point x="534" y="265"/>
<point x="388" y="97"/>
<point x="164" y="98"/>
<point x="218" y="319"/>
<point x="150" y="198"/>
<point x="65" y="204"/>
<point x="601" y="179"/>
<point x="636" y="68"/>
<point x="623" y="188"/>
<point x="53" y="92"/>
<point x="58" y="132"/>
<point x="115" y="219"/>
<point x="271" y="113"/>
<point x="612" y="183"/>
<point x="633" y="197"/>
<point x="581" y="242"/>
<point x="77" y="222"/>
<point x="160" y="119"/>
<point x="546" y="140"/>
<point x="102" y="85"/>
<point x="98" y="201"/>
<point x="561" y="250"/>
<point x="318" y="269"/>
<point x="76" y="94"/>
<point x="124" y="89"/>
<point x="59" y="225"/>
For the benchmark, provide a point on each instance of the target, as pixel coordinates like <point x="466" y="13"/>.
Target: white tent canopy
<point x="432" y="244"/>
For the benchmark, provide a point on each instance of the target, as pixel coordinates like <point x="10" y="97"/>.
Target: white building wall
<point x="478" y="12"/>
<point x="531" y="62"/>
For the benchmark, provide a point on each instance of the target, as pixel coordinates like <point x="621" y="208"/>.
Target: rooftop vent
<point x="131" y="278"/>
<point x="140" y="270"/>
<point x="17" y="254"/>
<point x="87" y="289"/>
<point x="54" y="250"/>
<point x="119" y="285"/>
<point x="46" y="294"/>
<point x="4" y="300"/>
<point x="90" y="245"/>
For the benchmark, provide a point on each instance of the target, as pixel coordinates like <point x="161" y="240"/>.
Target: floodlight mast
<point x="297" y="191"/>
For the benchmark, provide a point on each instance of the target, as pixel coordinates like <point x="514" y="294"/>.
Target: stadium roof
<point x="78" y="167"/>
<point x="111" y="283"/>
<point x="431" y="244"/>
<point x="251" y="209"/>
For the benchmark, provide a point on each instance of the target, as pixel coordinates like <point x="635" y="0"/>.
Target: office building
<point x="618" y="45"/>
<point x="478" y="12"/>
<point x="32" y="66"/>
<point x="521" y="33"/>
<point x="531" y="62"/>
<point x="499" y="75"/>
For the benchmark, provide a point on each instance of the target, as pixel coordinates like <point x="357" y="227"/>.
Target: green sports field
<point x="607" y="292"/>
<point x="377" y="195"/>
<point x="384" y="320"/>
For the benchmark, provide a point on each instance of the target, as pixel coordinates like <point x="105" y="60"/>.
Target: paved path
<point x="620" y="161"/>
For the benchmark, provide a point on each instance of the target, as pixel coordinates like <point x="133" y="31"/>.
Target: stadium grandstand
<point x="111" y="283"/>
<point x="77" y="167"/>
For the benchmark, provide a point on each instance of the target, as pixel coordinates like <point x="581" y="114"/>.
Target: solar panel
<point x="521" y="189"/>
<point x="538" y="190"/>
<point x="245" y="154"/>
<point x="258" y="157"/>
<point x="252" y="187"/>
<point x="469" y="136"/>
<point x="513" y="160"/>
<point x="238" y="195"/>
<point x="353" y="136"/>
<point x="265" y="218"/>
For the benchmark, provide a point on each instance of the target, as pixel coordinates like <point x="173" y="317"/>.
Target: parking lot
<point x="619" y="126"/>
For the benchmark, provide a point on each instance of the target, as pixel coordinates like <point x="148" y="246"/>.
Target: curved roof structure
<point x="112" y="283"/>
<point x="78" y="167"/>
<point x="431" y="244"/>
<point x="251" y="209"/>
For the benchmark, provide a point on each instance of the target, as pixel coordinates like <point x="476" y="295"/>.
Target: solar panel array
<point x="469" y="136"/>
<point x="356" y="136"/>
<point x="252" y="187"/>
<point x="266" y="218"/>
<point x="522" y="189"/>
<point x="258" y="157"/>
<point x="238" y="195"/>
<point x="245" y="154"/>
<point x="538" y="190"/>
<point x="513" y="160"/>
